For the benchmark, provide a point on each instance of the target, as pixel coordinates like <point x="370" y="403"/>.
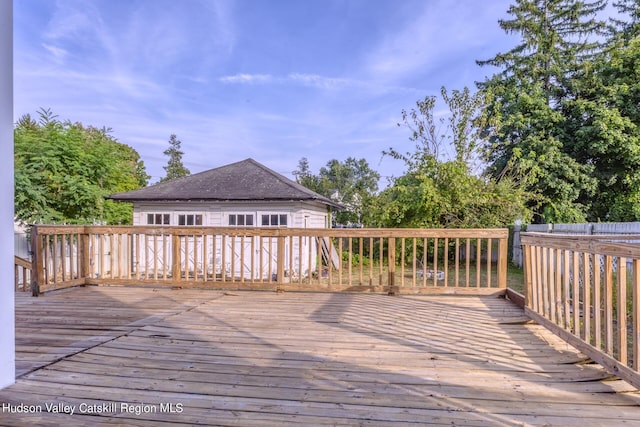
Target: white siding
<point x="299" y="215"/>
<point x="311" y="218"/>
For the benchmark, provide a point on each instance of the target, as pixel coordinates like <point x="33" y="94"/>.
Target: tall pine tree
<point x="628" y="26"/>
<point x="175" y="168"/>
<point x="526" y="131"/>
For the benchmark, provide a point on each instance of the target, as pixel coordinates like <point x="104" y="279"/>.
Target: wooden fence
<point x="375" y="260"/>
<point x="586" y="289"/>
<point x="592" y="228"/>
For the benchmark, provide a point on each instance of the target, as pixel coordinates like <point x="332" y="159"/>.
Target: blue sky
<point x="274" y="80"/>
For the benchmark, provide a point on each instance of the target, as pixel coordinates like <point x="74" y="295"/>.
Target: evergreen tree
<point x="528" y="137"/>
<point x="628" y="26"/>
<point x="175" y="168"/>
<point x="305" y="177"/>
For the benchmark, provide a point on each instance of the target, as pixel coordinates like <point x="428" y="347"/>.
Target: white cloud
<point x="78" y="23"/>
<point x="58" y="53"/>
<point x="316" y="81"/>
<point x="312" y="80"/>
<point x="141" y="39"/>
<point x="247" y="78"/>
<point x="70" y="20"/>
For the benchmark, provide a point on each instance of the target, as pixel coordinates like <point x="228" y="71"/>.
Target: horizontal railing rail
<point x="378" y="260"/>
<point x="587" y="290"/>
<point x="22" y="274"/>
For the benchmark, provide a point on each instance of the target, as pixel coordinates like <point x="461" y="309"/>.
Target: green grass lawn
<point x="515" y="278"/>
<point x="406" y="276"/>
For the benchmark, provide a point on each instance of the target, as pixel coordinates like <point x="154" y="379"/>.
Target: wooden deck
<point x="129" y="356"/>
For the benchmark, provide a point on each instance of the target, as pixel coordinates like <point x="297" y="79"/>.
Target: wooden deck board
<point x="263" y="358"/>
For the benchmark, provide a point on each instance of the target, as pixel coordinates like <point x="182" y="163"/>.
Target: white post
<point x="7" y="302"/>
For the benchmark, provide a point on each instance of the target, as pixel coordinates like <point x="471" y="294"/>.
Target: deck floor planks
<point x="62" y="323"/>
<point x="321" y="392"/>
<point x="262" y="358"/>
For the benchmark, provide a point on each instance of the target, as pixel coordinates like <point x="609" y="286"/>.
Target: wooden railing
<point x="22" y="274"/>
<point x="586" y="289"/>
<point x="376" y="260"/>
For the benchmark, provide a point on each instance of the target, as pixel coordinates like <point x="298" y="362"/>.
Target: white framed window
<point x="190" y="219"/>
<point x="274" y="220"/>
<point x="159" y="219"/>
<point x="241" y="220"/>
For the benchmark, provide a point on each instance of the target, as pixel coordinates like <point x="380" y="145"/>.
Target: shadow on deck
<point x="153" y="356"/>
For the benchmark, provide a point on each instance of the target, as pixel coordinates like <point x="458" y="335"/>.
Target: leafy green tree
<point x="64" y="171"/>
<point x="437" y="191"/>
<point x="526" y="128"/>
<point x="445" y="194"/>
<point x="175" y="168"/>
<point x="603" y="117"/>
<point x="431" y="135"/>
<point x="351" y="183"/>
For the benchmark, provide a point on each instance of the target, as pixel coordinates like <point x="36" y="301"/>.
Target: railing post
<point x="37" y="275"/>
<point x="635" y="317"/>
<point x="280" y="260"/>
<point x="176" y="265"/>
<point x="503" y="257"/>
<point x="391" y="260"/>
<point x="85" y="259"/>
<point x="527" y="275"/>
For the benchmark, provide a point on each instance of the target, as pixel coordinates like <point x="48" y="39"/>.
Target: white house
<point x="241" y="194"/>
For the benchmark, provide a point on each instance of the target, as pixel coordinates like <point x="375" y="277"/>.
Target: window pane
<point x="249" y="220"/>
<point x="189" y="219"/>
<point x="149" y="218"/>
<point x="166" y="219"/>
<point x="265" y="220"/>
<point x="274" y="219"/>
<point x="232" y="220"/>
<point x="241" y="220"/>
<point x="198" y="219"/>
<point x="283" y="220"/>
<point x="158" y="219"/>
<point x="181" y="219"/>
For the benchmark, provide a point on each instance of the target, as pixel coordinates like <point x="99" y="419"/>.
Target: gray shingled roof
<point x="244" y="180"/>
